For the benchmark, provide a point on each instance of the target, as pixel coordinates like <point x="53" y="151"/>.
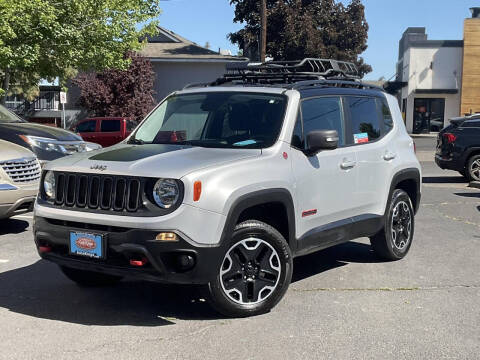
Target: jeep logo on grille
<point x="99" y="167"/>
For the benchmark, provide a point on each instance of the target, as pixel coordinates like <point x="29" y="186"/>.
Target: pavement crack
<point x="379" y="289"/>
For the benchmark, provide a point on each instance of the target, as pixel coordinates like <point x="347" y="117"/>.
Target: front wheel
<point x="255" y="272"/>
<point x="395" y="239"/>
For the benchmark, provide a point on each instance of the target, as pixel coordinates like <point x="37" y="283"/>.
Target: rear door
<point x="369" y="121"/>
<point x="325" y="182"/>
<point x="110" y="132"/>
<point x="87" y="130"/>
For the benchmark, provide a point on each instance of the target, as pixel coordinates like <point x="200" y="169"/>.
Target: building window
<point x="428" y="115"/>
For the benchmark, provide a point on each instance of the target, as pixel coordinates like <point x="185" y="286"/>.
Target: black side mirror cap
<point x="321" y="140"/>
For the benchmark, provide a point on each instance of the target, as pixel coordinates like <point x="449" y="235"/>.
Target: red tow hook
<point x="44" y="249"/>
<point x="138" y="262"/>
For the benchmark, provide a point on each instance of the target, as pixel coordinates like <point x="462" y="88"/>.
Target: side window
<point x="364" y="118"/>
<point x="87" y="126"/>
<point x="323" y="113"/>
<point x="110" y="126"/>
<point x="386" y="115"/>
<point x="131" y="125"/>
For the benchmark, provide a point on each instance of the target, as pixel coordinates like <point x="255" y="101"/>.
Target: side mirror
<point x="321" y="140"/>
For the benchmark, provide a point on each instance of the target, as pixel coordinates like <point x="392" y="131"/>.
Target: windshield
<point x="7" y="116"/>
<point x="226" y="119"/>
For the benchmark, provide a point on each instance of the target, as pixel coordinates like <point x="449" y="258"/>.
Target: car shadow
<point x="469" y="194"/>
<point x="13" y="226"/>
<point x="40" y="290"/>
<point x="443" y="179"/>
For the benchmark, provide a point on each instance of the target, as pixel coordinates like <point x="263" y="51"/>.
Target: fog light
<point x="186" y="262"/>
<point x="166" y="236"/>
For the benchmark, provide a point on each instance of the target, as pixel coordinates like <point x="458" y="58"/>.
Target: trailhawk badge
<point x="99" y="167"/>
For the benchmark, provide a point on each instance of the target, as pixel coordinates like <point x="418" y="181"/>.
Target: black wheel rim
<point x="250" y="271"/>
<point x="401" y="226"/>
<point x="475" y="170"/>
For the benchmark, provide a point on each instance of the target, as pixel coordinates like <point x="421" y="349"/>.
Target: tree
<point x="113" y="92"/>
<point x="297" y="29"/>
<point x="46" y="39"/>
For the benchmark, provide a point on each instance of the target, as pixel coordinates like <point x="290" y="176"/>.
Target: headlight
<point x="48" y="144"/>
<point x="49" y="184"/>
<point x="166" y="193"/>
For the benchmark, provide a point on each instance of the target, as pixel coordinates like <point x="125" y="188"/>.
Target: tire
<point x="394" y="240"/>
<point x="89" y="278"/>
<point x="255" y="271"/>
<point x="473" y="168"/>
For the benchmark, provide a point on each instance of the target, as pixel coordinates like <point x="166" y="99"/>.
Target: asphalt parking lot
<point x="343" y="303"/>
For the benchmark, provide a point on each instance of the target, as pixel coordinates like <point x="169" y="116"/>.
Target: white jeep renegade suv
<point x="223" y="184"/>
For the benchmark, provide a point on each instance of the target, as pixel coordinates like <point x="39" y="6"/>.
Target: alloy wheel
<point x="401" y="225"/>
<point x="250" y="271"/>
<point x="475" y="170"/>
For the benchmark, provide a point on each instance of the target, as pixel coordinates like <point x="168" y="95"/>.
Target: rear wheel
<point x="89" y="278"/>
<point x="473" y="168"/>
<point x="255" y="272"/>
<point x="395" y="239"/>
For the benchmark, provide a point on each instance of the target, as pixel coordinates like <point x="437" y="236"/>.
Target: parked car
<point x="46" y="142"/>
<point x="105" y="131"/>
<point x="458" y="147"/>
<point x="223" y="185"/>
<point x="19" y="179"/>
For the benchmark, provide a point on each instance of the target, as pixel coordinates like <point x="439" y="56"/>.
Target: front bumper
<point x="20" y="206"/>
<point x="124" y="244"/>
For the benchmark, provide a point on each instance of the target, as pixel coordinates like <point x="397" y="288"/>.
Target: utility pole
<point x="263" y="30"/>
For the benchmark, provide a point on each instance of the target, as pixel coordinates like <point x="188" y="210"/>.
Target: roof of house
<point x="169" y="46"/>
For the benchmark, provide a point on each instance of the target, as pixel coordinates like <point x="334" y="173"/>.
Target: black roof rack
<point x="300" y="74"/>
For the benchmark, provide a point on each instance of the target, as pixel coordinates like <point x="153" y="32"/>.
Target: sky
<point x="211" y="20"/>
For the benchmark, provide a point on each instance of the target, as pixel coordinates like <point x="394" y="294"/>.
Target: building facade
<point x="439" y="79"/>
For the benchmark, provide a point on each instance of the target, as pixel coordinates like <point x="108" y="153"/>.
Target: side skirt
<point x="339" y="232"/>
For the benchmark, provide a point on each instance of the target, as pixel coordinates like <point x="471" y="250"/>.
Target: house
<point x="438" y="79"/>
<point x="178" y="62"/>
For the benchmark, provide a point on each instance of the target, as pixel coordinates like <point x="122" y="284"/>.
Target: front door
<point x="325" y="182"/>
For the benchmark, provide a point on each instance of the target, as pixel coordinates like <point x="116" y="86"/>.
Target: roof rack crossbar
<point x="301" y="85"/>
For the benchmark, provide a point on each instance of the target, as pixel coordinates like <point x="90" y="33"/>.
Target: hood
<point x="25" y="128"/>
<point x="153" y="160"/>
<point x="11" y="151"/>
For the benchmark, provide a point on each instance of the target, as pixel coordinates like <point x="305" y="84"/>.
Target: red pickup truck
<point x="105" y="131"/>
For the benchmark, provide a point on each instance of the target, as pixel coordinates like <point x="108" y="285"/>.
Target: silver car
<point x="19" y="177"/>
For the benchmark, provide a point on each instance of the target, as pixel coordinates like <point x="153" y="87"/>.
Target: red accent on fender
<point x="309" y="212"/>
<point x="285" y="155"/>
<point x="138" y="262"/>
<point x="44" y="249"/>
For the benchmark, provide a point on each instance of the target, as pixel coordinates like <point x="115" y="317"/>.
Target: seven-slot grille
<point x="106" y="192"/>
<point x="23" y="170"/>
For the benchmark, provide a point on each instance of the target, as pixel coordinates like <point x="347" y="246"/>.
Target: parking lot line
<point x="23" y="217"/>
<point x="4" y="261"/>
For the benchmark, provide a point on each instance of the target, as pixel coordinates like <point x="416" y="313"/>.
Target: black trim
<point x="260" y="197"/>
<point x="436" y="91"/>
<point x="407" y="174"/>
<point x="123" y="244"/>
<point x="339" y="232"/>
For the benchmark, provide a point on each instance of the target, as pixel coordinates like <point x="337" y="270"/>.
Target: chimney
<point x="475" y="12"/>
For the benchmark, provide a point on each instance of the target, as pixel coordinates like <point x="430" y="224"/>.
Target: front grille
<point x="92" y="191"/>
<point x="23" y="170"/>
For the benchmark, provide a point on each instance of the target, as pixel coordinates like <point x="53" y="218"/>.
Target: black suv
<point x="458" y="147"/>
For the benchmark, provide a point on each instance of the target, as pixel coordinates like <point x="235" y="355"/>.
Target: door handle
<point x="347" y="164"/>
<point x="389" y="156"/>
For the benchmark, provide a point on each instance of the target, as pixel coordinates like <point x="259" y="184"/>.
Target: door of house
<point x="428" y="115"/>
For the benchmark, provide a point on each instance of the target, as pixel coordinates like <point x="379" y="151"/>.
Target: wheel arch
<point x="270" y="198"/>
<point x="408" y="180"/>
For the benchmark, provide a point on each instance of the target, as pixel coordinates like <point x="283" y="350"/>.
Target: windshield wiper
<point x="136" y="141"/>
